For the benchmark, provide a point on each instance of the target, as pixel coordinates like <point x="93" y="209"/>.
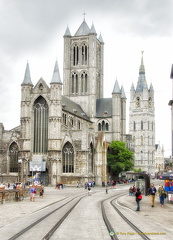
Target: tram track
<point x="109" y="225"/>
<point x="41" y="219"/>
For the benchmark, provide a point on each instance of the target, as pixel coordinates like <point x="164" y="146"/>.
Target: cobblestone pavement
<point x="15" y="211"/>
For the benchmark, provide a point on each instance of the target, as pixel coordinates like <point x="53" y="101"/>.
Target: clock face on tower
<point x="137" y="102"/>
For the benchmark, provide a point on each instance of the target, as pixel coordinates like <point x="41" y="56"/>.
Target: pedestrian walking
<point x="106" y="190"/>
<point x="89" y="191"/>
<point x="32" y="193"/>
<point x="138" y="199"/>
<point x="130" y="191"/>
<point x="152" y="191"/>
<point x="162" y="193"/>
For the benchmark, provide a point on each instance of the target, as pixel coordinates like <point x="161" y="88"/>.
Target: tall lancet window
<point x="84" y="54"/>
<point x="68" y="158"/>
<point x="91" y="158"/>
<point x="74" y="83"/>
<point x="84" y="83"/>
<point x="75" y="55"/>
<point x="13" y="154"/>
<point x="41" y="112"/>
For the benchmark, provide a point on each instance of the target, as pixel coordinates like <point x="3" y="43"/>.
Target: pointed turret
<point x="142" y="84"/>
<point x="132" y="87"/>
<point x="101" y="39"/>
<point x="151" y="87"/>
<point x="93" y="31"/>
<point x="116" y="87"/>
<point x="56" y="76"/>
<point x="67" y="32"/>
<point x="123" y="95"/>
<point x="27" y="77"/>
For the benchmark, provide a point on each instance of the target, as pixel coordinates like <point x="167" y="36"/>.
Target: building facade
<point x="66" y="127"/>
<point x="142" y="123"/>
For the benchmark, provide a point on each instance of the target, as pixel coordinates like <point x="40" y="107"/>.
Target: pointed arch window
<point x="41" y="112"/>
<point x="103" y="126"/>
<point x="84" y="54"/>
<point x="78" y="125"/>
<point x="13" y="154"/>
<point x="84" y="83"/>
<point x="99" y="127"/>
<point x="142" y="125"/>
<point x="75" y="83"/>
<point x="75" y="55"/>
<point x="68" y="158"/>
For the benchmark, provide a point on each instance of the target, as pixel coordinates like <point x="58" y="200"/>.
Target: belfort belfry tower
<point x="66" y="126"/>
<point x="142" y="122"/>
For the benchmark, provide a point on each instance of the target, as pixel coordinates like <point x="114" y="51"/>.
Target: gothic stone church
<point x="66" y="126"/>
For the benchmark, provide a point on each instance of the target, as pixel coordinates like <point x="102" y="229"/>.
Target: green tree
<point x="119" y="158"/>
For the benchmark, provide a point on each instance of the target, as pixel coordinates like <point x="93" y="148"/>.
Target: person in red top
<point x="137" y="199"/>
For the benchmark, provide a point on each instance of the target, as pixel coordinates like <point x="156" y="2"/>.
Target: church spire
<point x="142" y="83"/>
<point x="27" y="77"/>
<point x="142" y="68"/>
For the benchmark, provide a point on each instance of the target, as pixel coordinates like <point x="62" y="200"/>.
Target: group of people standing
<point x="152" y="193"/>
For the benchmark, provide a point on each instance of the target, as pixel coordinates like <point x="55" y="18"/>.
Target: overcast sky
<point x="33" y="31"/>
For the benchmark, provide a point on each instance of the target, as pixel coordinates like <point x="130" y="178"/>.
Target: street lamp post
<point x="20" y="170"/>
<point x="171" y="104"/>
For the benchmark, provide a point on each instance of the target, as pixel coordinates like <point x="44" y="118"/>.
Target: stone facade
<point x="66" y="127"/>
<point x="142" y="123"/>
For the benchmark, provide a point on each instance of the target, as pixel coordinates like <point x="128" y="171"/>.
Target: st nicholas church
<point x="66" y="124"/>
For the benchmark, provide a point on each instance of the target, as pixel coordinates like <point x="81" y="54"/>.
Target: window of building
<point x="78" y="125"/>
<point x="75" y="55"/>
<point x="74" y="83"/>
<point x="41" y="112"/>
<point x="103" y="126"/>
<point x="84" y="54"/>
<point x="13" y="154"/>
<point x="68" y="158"/>
<point x="64" y="118"/>
<point x="142" y="125"/>
<point x="71" y="121"/>
<point x="84" y="83"/>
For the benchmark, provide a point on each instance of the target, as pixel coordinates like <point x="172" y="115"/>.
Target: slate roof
<point x="83" y="29"/>
<point x="73" y="108"/>
<point x="104" y="107"/>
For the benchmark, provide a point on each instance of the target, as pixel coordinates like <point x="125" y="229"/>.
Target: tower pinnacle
<point x="142" y="68"/>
